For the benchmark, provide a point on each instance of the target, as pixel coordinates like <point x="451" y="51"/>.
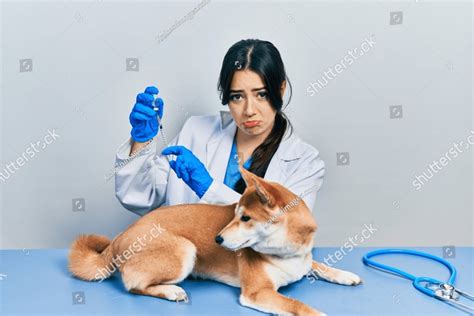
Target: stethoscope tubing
<point x="416" y="280"/>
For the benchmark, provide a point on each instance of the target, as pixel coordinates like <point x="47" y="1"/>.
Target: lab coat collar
<point x="222" y="143"/>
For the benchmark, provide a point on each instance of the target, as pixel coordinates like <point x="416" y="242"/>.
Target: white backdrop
<point x="394" y="96"/>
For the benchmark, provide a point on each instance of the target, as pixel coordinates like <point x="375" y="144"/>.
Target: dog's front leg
<point x="335" y="275"/>
<point x="270" y="301"/>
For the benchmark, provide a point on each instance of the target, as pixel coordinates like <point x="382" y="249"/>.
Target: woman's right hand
<point x="143" y="117"/>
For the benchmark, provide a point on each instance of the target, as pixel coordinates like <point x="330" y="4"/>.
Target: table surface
<point x="37" y="282"/>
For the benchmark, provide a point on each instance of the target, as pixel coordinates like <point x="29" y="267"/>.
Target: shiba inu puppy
<point x="259" y="244"/>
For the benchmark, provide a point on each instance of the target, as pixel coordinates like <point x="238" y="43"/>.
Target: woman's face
<point x="249" y="103"/>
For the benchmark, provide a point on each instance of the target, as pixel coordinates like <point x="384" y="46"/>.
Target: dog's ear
<point x="247" y="176"/>
<point x="261" y="187"/>
<point x="263" y="192"/>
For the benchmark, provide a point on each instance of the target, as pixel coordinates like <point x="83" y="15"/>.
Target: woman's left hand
<point x="189" y="168"/>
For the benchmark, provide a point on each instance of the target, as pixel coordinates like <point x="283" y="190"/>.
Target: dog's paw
<point x="348" y="278"/>
<point x="312" y="313"/>
<point x="175" y="293"/>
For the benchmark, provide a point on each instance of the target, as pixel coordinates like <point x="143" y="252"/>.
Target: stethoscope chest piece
<point x="444" y="291"/>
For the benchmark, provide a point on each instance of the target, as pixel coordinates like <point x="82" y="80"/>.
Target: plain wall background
<point x="79" y="85"/>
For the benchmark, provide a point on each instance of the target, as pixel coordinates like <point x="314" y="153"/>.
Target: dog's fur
<point x="270" y="250"/>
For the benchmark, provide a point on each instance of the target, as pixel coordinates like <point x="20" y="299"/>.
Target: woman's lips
<point x="251" y="123"/>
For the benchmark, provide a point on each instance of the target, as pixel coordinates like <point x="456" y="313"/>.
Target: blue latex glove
<point x="143" y="117"/>
<point x="189" y="168"/>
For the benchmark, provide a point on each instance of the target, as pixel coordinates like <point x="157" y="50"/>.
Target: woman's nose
<point x="249" y="108"/>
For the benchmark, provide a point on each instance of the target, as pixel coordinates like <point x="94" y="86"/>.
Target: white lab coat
<point x="143" y="183"/>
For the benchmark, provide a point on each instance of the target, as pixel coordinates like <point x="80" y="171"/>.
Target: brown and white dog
<point x="259" y="244"/>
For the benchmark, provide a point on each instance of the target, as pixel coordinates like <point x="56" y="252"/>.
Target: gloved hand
<point x="143" y="117"/>
<point x="189" y="168"/>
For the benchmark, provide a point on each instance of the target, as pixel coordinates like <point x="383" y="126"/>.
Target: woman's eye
<point x="263" y="95"/>
<point x="245" y="218"/>
<point x="235" y="97"/>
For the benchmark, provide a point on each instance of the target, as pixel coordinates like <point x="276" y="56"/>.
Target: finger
<point x="173" y="150"/>
<point x="182" y="168"/>
<point x="146" y="110"/>
<point x="139" y="116"/>
<point x="174" y="164"/>
<point x="185" y="176"/>
<point x="159" y="103"/>
<point x="152" y="90"/>
<point x="145" y="98"/>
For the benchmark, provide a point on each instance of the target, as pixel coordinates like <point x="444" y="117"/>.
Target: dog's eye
<point x="245" y="218"/>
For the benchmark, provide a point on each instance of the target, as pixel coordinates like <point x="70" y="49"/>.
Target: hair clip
<point x="238" y="64"/>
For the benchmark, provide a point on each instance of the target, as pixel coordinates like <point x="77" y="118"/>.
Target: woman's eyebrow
<point x="256" y="89"/>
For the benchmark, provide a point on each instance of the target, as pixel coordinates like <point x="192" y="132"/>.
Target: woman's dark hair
<point x="263" y="58"/>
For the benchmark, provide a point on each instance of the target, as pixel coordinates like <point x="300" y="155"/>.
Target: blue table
<point x="38" y="282"/>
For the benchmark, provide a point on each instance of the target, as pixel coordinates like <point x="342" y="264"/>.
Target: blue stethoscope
<point x="444" y="291"/>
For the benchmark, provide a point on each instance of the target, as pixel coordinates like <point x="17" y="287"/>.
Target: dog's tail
<point x="90" y="258"/>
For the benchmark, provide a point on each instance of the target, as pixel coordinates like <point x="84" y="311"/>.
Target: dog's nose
<point x="219" y="239"/>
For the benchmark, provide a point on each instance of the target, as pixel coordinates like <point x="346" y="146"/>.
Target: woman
<point x="209" y="148"/>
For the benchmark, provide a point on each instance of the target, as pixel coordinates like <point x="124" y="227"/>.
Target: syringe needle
<point x="160" y="128"/>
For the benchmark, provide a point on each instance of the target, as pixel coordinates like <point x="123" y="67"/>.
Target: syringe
<point x="160" y="128"/>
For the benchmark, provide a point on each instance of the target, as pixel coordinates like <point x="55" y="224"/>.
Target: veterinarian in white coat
<point x="252" y="83"/>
